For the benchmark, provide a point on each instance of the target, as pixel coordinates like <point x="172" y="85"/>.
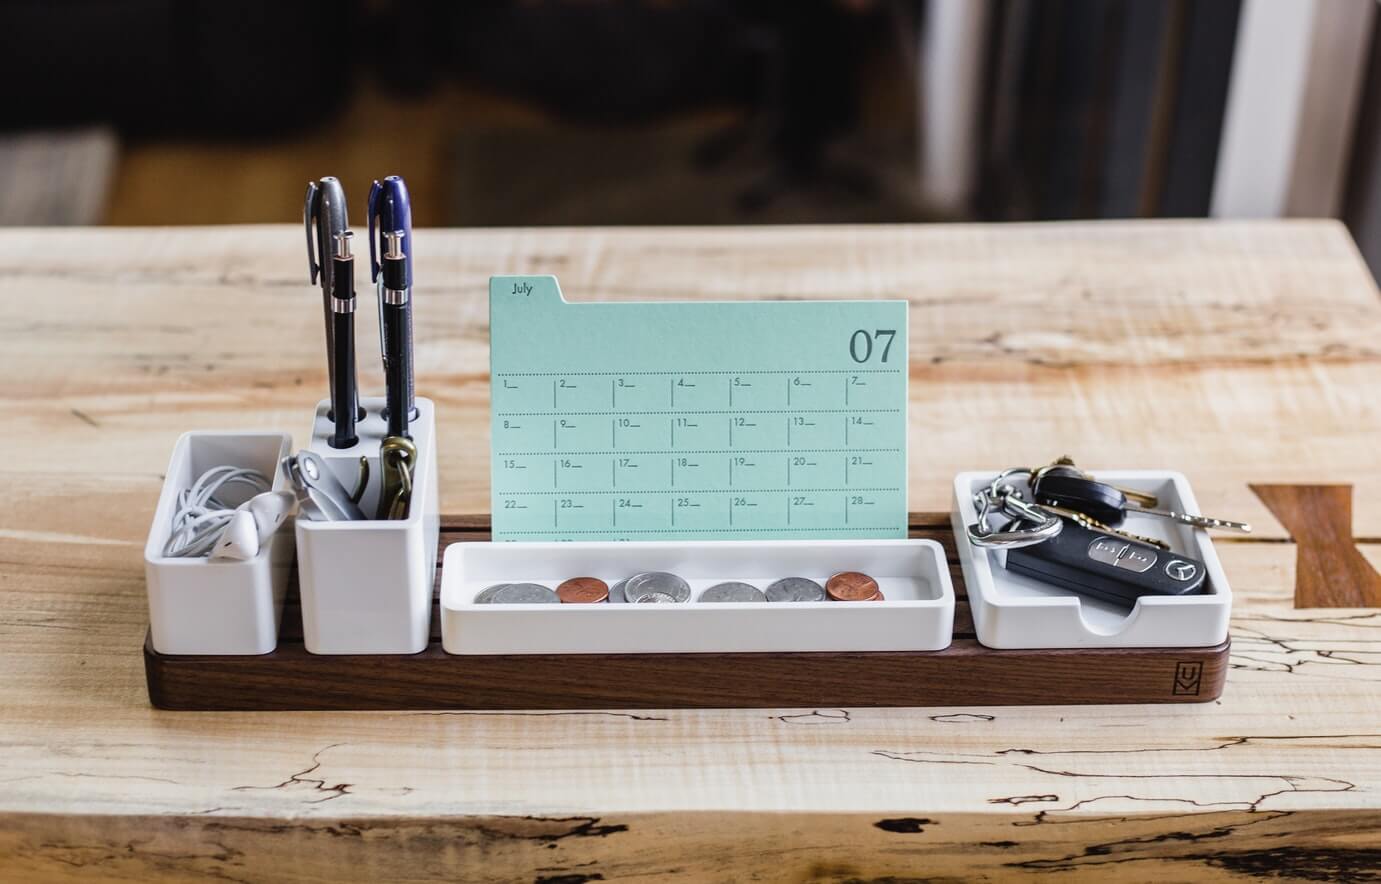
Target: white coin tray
<point x="1014" y="611"/>
<point x="917" y="614"/>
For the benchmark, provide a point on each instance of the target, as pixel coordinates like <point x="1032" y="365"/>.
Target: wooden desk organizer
<point x="964" y="674"/>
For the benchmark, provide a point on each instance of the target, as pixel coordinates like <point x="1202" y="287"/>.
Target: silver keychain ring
<point x="1048" y="528"/>
<point x="1043" y="525"/>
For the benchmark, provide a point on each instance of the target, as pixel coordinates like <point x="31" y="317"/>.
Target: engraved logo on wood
<point x="1187" y="677"/>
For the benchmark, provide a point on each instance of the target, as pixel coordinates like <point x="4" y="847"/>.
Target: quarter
<point x="616" y="591"/>
<point x="486" y="595"/>
<point x="653" y="598"/>
<point x="583" y="591"/>
<point x="733" y="591"/>
<point x="795" y="589"/>
<point x="650" y="582"/>
<point x="522" y="594"/>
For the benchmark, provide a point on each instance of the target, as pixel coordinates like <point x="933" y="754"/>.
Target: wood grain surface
<point x="1236" y="352"/>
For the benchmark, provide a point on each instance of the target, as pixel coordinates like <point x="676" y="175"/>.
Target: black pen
<point x="390" y="210"/>
<point x="343" y="334"/>
<point x="324" y="215"/>
<point x="393" y="305"/>
<point x="397" y="453"/>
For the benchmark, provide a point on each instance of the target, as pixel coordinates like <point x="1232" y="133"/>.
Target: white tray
<point x="1013" y="611"/>
<point x="204" y="606"/>
<point x="918" y="613"/>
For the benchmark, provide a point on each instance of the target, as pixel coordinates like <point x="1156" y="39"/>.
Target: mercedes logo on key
<point x="1181" y="570"/>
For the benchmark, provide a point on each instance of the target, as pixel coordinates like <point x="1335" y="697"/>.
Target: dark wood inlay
<point x="1330" y="571"/>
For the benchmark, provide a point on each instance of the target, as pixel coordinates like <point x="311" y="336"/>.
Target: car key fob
<point x="1094" y="499"/>
<point x="1106" y="566"/>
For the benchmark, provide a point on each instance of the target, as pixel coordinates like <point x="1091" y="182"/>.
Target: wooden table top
<point x="1238" y="353"/>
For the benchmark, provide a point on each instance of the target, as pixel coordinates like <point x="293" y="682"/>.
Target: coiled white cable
<point x="201" y="515"/>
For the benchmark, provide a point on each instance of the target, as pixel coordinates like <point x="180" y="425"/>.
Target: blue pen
<point x="390" y="233"/>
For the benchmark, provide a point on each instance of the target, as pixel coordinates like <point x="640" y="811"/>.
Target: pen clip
<point x="311" y="214"/>
<point x="373" y="210"/>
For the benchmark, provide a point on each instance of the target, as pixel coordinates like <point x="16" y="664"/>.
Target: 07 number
<point x="861" y="343"/>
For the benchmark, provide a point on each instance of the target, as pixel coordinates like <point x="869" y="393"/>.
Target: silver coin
<point x="733" y="591"/>
<point x="523" y="594"/>
<point x="649" y="582"/>
<point x="616" y="591"/>
<point x="486" y="595"/>
<point x="795" y="589"/>
<point x="655" y="598"/>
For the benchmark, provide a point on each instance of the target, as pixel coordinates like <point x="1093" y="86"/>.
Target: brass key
<point x="1094" y="525"/>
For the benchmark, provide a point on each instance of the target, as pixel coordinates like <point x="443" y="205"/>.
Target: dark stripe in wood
<point x="965" y="674"/>
<point x="1330" y="571"/>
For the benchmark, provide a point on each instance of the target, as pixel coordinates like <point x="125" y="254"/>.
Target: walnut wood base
<point x="966" y="673"/>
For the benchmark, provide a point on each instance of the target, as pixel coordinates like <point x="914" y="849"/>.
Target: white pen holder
<point x="366" y="586"/>
<point x="217" y="606"/>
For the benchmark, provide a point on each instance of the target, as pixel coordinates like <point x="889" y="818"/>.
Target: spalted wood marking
<point x="1330" y="571"/>
<point x="785" y="847"/>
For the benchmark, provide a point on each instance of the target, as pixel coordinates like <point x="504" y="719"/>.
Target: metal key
<point x="1093" y="524"/>
<point x="1110" y="505"/>
<point x="1064" y="466"/>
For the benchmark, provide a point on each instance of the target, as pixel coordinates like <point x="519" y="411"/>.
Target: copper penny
<point x="852" y="586"/>
<point x="583" y="591"/>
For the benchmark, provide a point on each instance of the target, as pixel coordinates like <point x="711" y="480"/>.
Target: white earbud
<point x="253" y="523"/>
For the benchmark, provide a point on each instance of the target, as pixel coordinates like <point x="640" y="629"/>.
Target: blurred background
<point x="542" y="112"/>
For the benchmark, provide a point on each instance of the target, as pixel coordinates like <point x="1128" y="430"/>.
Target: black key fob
<point x="1094" y="499"/>
<point x="1106" y="566"/>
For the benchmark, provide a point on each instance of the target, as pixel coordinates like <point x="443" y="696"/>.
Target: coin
<point x="616" y="591"/>
<point x="583" y="590"/>
<point x="795" y="589"/>
<point x="486" y="595"/>
<point x="851" y="586"/>
<point x="655" y="598"/>
<point x="522" y="594"/>
<point x="649" y="582"/>
<point x="733" y="591"/>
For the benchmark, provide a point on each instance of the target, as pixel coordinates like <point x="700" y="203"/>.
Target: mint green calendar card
<point x="729" y="420"/>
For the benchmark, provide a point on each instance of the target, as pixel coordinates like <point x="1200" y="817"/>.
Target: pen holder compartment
<point x="217" y="606"/>
<point x="366" y="586"/>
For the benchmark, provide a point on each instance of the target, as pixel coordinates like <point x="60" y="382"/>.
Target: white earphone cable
<point x="201" y="516"/>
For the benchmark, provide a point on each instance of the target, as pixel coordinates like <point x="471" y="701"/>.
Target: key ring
<point x="1002" y="497"/>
